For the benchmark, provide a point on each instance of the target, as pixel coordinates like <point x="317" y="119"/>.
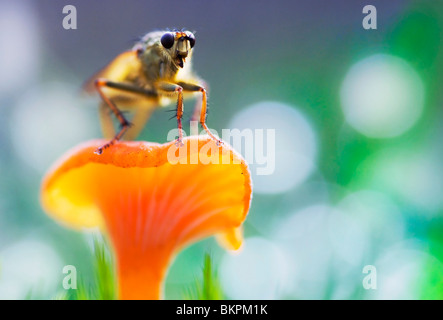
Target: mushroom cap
<point x="194" y="196"/>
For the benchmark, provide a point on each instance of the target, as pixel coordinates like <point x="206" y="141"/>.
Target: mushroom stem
<point x="141" y="262"/>
<point x="141" y="274"/>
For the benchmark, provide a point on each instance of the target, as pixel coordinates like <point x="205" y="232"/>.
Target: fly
<point x="157" y="69"/>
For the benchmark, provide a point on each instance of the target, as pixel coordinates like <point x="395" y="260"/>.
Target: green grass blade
<point x="208" y="286"/>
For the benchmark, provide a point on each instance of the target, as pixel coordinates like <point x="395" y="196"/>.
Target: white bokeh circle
<point x="20" y="58"/>
<point x="294" y="145"/>
<point x="382" y="96"/>
<point x="304" y="237"/>
<point x="29" y="265"/>
<point x="47" y="121"/>
<point x="414" y="176"/>
<point x="259" y="271"/>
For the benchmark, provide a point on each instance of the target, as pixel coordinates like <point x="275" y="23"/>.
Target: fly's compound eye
<point x="191" y="39"/>
<point x="167" y="40"/>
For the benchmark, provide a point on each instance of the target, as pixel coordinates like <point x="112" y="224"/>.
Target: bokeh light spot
<point x="29" y="265"/>
<point x="401" y="271"/>
<point x="304" y="237"/>
<point x="414" y="176"/>
<point x="379" y="215"/>
<point x="382" y="96"/>
<point x="295" y="144"/>
<point x="259" y="271"/>
<point x="19" y="43"/>
<point x="48" y="120"/>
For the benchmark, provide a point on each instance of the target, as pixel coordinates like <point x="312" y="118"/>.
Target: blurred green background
<point x="357" y="114"/>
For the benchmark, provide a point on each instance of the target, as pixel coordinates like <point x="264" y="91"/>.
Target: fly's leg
<point x="197" y="108"/>
<point x="174" y="88"/>
<point x="124" y="124"/>
<point x="203" y="110"/>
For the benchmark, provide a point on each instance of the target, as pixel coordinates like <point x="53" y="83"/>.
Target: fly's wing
<point x="125" y="66"/>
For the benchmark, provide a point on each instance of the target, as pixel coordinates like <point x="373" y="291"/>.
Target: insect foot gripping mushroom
<point x="151" y="200"/>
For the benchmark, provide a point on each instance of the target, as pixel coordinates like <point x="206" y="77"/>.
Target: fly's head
<point x="178" y="45"/>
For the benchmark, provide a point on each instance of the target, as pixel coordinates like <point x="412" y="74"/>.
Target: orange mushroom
<point x="151" y="200"/>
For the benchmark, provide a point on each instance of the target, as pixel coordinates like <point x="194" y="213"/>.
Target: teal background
<point x="292" y="52"/>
